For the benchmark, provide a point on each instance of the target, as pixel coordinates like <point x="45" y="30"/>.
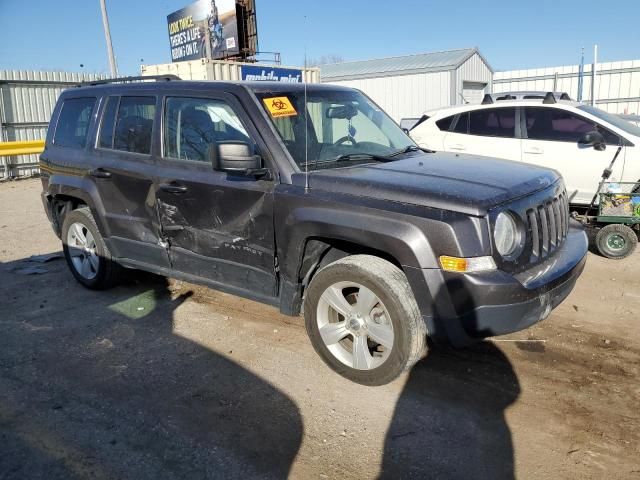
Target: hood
<point x="467" y="184"/>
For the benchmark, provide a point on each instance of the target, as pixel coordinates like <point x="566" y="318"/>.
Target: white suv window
<point x="554" y="124"/>
<point x="494" y="122"/>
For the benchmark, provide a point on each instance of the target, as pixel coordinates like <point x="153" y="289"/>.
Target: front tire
<point x="86" y="253"/>
<point x="363" y="320"/>
<point x="616" y="241"/>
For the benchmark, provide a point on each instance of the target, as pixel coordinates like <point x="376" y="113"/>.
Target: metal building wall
<point x="405" y="96"/>
<point x="27" y="99"/>
<point x="473" y="70"/>
<point x="617" y="83"/>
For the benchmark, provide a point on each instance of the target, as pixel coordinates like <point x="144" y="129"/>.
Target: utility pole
<point x="581" y="77"/>
<point x="107" y="36"/>
<point x="593" y="76"/>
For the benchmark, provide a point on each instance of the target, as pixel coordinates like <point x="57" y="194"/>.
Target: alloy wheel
<point x="355" y="325"/>
<point x="82" y="250"/>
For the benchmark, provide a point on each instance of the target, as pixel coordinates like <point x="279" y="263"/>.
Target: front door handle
<point x="173" y="188"/>
<point x="100" y="173"/>
<point x="458" y="146"/>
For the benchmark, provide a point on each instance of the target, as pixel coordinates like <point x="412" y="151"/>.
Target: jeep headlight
<point x="506" y="234"/>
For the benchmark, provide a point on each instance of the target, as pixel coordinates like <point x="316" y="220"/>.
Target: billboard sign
<point x="204" y="29"/>
<point x="253" y="73"/>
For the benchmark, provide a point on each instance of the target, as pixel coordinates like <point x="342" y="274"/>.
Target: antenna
<point x="306" y="117"/>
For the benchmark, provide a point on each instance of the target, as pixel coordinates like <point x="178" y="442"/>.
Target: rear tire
<point x="378" y="333"/>
<point x="616" y="241"/>
<point x="86" y="253"/>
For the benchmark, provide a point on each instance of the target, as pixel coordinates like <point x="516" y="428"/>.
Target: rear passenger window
<point x="73" y="122"/>
<point x="134" y="123"/>
<point x="445" y="123"/>
<point x="495" y="122"/>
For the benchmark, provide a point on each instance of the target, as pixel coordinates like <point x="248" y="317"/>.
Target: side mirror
<point x="236" y="158"/>
<point x="593" y="139"/>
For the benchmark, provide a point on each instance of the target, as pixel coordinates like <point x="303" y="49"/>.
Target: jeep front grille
<point x="548" y="226"/>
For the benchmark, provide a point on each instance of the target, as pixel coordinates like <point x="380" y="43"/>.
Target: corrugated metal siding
<point x="27" y="99"/>
<point x="409" y="96"/>
<point x="206" y="69"/>
<point x="406" y="96"/>
<point x="617" y="83"/>
<point x="391" y="66"/>
<point x="473" y="70"/>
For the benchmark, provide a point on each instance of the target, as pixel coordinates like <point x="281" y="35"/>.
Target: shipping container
<point x="205" y="69"/>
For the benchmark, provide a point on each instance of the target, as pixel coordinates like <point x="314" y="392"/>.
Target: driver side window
<point x="193" y="125"/>
<point x="557" y="125"/>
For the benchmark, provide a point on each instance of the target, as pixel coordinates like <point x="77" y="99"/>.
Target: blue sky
<point x="61" y="35"/>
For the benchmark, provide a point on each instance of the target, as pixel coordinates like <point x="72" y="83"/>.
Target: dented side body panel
<point x="264" y="237"/>
<point x="219" y="229"/>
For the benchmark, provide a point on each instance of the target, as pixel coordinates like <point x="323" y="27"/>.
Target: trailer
<point x="206" y="69"/>
<point x="617" y="222"/>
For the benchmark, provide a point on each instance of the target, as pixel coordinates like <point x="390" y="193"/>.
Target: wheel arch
<point x="70" y="193"/>
<point x="318" y="237"/>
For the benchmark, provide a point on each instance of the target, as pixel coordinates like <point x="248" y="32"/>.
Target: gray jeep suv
<point x="312" y="199"/>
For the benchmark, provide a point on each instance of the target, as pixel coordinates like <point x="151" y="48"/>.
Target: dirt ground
<point x="158" y="379"/>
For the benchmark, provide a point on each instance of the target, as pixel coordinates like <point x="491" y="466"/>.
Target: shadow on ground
<point x="98" y="385"/>
<point x="449" y="421"/>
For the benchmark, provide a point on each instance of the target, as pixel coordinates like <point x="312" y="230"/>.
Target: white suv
<point x="545" y="132"/>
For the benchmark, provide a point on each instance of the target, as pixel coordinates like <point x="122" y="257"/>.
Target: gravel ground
<point x="160" y="379"/>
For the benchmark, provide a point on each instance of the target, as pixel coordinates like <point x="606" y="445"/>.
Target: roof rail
<point x="157" y="78"/>
<point x="565" y="96"/>
<point x="549" y="98"/>
<point x="488" y="99"/>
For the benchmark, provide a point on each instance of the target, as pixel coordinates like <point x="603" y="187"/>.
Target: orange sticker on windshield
<point x="280" y="107"/>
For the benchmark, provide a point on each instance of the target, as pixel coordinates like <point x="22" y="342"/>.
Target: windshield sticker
<point x="280" y="107"/>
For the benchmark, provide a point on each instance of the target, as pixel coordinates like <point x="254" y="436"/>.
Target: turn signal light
<point x="467" y="265"/>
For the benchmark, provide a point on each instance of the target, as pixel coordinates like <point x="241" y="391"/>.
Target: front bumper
<point x="463" y="308"/>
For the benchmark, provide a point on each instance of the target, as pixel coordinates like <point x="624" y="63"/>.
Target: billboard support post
<point x="107" y="36"/>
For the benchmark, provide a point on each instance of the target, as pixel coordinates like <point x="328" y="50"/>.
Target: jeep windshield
<point x="335" y="128"/>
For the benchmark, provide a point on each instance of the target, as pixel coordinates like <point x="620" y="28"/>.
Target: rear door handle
<point x="458" y="146"/>
<point x="100" y="173"/>
<point x="173" y="188"/>
<point x="534" y="150"/>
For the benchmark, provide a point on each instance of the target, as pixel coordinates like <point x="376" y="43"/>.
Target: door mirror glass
<point x="593" y="139"/>
<point x="234" y="157"/>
